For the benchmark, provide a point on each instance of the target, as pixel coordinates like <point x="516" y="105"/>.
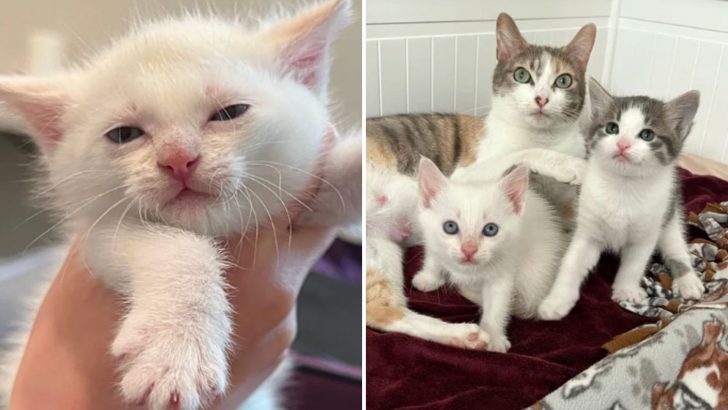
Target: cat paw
<point x="571" y="171"/>
<point x="499" y="344"/>
<point x="554" y="308"/>
<point x="633" y="294"/>
<point x="426" y="281"/>
<point x="689" y="286"/>
<point x="167" y="369"/>
<point x="470" y="336"/>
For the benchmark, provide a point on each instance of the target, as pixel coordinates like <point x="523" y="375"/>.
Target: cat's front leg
<point x="430" y="277"/>
<point x="562" y="167"/>
<point x="581" y="256"/>
<point x="497" y="297"/>
<point x="172" y="342"/>
<point x="634" y="258"/>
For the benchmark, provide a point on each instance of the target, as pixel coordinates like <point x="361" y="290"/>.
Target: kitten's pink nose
<point x="541" y="101"/>
<point x="468" y="249"/>
<point x="623" y="145"/>
<point x="179" y="163"/>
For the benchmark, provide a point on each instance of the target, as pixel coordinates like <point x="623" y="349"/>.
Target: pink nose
<point x="541" y="101"/>
<point x="179" y="163"/>
<point x="468" y="249"/>
<point x="623" y="145"/>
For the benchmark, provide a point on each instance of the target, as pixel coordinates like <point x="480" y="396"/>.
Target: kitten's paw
<point x="469" y="336"/>
<point x="689" y="286"/>
<point x="553" y="308"/>
<point x="633" y="294"/>
<point x="163" y="368"/>
<point x="499" y="344"/>
<point x="571" y="171"/>
<point x="427" y="281"/>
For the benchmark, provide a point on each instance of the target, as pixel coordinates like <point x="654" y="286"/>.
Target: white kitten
<point x="497" y="241"/>
<point x="185" y="131"/>
<point x="630" y="198"/>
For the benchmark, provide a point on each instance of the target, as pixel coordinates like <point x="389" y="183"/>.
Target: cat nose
<point x="179" y="163"/>
<point x="541" y="101"/>
<point x="468" y="249"/>
<point x="623" y="145"/>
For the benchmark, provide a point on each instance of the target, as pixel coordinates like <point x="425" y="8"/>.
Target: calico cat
<point x="538" y="96"/>
<point x="498" y="242"/>
<point x="630" y="198"/>
<point x="185" y="131"/>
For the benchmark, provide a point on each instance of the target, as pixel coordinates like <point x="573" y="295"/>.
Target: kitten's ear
<point x="514" y="185"/>
<point x="580" y="47"/>
<point x="680" y="112"/>
<point x="509" y="41"/>
<point x="600" y="101"/>
<point x="40" y="102"/>
<point x="431" y="181"/>
<point x="302" y="42"/>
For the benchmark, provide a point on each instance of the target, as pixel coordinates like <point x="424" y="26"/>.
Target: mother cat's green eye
<point x="521" y="75"/>
<point x="563" y="81"/>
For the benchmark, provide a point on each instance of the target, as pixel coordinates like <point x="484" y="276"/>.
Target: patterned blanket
<point x="689" y="334"/>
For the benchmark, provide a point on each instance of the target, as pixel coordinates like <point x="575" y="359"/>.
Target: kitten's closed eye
<point x="122" y="135"/>
<point x="230" y="112"/>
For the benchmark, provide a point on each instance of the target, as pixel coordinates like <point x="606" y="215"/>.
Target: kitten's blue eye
<point x="123" y="135"/>
<point x="490" y="229"/>
<point x="230" y="112"/>
<point x="521" y="75"/>
<point x="450" y="227"/>
<point x="611" y="128"/>
<point x="563" y="81"/>
<point x="647" y="134"/>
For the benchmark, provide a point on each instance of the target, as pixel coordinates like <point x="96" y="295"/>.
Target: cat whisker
<point x="323" y="180"/>
<point x="283" y="204"/>
<point x="118" y="224"/>
<point x="69" y="215"/>
<point x="270" y="218"/>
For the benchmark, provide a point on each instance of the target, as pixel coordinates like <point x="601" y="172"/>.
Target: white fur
<point x="513" y="270"/>
<point x="161" y="254"/>
<point x="622" y="206"/>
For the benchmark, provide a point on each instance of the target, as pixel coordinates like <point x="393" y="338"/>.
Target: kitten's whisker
<point x="255" y="216"/>
<point x="280" y="186"/>
<point x="285" y="208"/>
<point x="93" y="225"/>
<point x="270" y="218"/>
<point x="336" y="190"/>
<point x="64" y="180"/>
<point x="118" y="225"/>
<point x="69" y="215"/>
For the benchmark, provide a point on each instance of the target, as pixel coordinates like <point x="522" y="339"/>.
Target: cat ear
<point x="40" y="103"/>
<point x="580" y="47"/>
<point x="514" y="185"/>
<point x="600" y="101"/>
<point x="680" y="112"/>
<point x="431" y="181"/>
<point x="509" y="41"/>
<point x="302" y="42"/>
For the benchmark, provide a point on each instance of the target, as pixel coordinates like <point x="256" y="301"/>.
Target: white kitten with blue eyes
<point x="629" y="201"/>
<point x="495" y="240"/>
<point x="183" y="132"/>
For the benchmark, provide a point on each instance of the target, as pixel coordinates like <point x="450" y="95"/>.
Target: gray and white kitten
<point x="630" y="198"/>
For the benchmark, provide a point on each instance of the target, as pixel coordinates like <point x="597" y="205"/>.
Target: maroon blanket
<point x="406" y="372"/>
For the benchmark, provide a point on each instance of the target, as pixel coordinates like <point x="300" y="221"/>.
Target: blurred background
<point x="37" y="36"/>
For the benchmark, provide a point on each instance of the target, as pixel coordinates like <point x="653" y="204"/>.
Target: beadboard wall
<point x="426" y="55"/>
